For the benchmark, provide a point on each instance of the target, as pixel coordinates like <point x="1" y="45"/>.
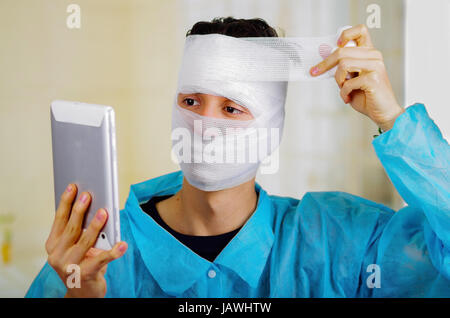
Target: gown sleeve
<point x="412" y="249"/>
<point x="47" y="284"/>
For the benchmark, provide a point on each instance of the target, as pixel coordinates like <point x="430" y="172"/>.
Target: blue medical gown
<point x="323" y="245"/>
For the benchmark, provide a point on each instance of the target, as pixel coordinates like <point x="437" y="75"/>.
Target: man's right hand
<point x="68" y="244"/>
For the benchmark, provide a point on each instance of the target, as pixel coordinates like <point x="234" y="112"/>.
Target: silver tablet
<point x="84" y="153"/>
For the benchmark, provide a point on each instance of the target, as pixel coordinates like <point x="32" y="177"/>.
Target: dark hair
<point x="234" y="27"/>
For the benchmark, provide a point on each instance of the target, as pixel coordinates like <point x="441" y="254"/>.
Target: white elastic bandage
<point x="220" y="57"/>
<point x="252" y="72"/>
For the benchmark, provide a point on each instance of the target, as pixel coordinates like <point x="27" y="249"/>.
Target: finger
<point x="96" y="263"/>
<point x="88" y="237"/>
<point x="73" y="228"/>
<point x="341" y="53"/>
<point x="359" y="34"/>
<point x="93" y="251"/>
<point x="360" y="82"/>
<point x="61" y="216"/>
<point x="103" y="270"/>
<point x="347" y="66"/>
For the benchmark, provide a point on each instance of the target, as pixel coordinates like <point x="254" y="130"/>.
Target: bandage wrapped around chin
<point x="216" y="153"/>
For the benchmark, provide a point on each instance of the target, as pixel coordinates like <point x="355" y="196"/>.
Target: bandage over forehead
<point x="252" y="71"/>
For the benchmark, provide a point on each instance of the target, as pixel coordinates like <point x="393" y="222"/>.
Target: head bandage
<point x="252" y="72"/>
<point x="220" y="57"/>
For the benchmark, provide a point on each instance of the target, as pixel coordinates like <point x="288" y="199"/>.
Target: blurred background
<point x="126" y="54"/>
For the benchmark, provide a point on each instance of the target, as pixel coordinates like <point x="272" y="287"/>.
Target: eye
<point x="190" y="102"/>
<point x="233" y="110"/>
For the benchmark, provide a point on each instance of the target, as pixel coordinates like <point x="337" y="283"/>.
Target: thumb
<point x="96" y="263"/>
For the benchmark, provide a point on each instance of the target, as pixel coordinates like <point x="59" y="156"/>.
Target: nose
<point x="211" y="106"/>
<point x="208" y="110"/>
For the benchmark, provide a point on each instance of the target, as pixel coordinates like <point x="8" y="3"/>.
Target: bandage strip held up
<point x="220" y="57"/>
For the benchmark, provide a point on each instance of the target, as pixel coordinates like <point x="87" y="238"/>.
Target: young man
<point x="238" y="241"/>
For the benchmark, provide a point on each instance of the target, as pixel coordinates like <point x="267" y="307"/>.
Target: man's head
<point x="217" y="106"/>
<point x="223" y="125"/>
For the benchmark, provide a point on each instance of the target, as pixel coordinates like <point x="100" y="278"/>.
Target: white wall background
<point x="427" y="58"/>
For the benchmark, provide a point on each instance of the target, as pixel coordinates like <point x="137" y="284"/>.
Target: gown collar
<point x="173" y="265"/>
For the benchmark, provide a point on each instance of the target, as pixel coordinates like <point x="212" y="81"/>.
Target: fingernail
<point x="339" y="42"/>
<point x="314" y="70"/>
<point x="101" y="215"/>
<point x="84" y="198"/>
<point x="122" y="248"/>
<point x="69" y="188"/>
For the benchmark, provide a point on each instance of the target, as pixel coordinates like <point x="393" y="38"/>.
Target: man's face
<point x="213" y="106"/>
